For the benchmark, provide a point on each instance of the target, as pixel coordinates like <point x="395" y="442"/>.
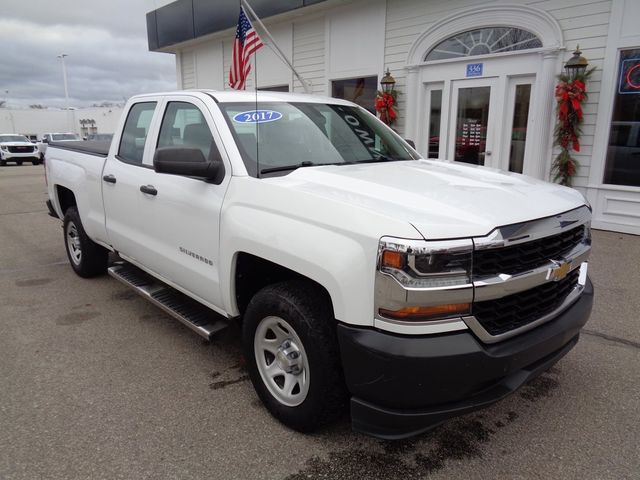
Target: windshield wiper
<point x="284" y="168"/>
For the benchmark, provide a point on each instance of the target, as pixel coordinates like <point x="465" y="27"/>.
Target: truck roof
<point x="229" y="96"/>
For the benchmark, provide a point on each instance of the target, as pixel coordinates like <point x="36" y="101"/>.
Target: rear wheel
<point x="87" y="258"/>
<point x="290" y="343"/>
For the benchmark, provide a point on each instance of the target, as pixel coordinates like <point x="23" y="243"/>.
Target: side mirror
<point x="411" y="143"/>
<point x="45" y="140"/>
<point x="188" y="161"/>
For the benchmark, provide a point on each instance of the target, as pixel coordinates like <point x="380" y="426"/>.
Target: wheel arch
<point x="65" y="199"/>
<point x="252" y="273"/>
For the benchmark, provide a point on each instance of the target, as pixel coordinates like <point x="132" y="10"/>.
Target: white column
<point x="541" y="133"/>
<point x="411" y="104"/>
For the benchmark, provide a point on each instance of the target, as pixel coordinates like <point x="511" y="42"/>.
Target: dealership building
<point x="475" y="80"/>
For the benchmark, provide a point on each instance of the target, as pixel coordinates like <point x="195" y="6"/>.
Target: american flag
<point x="245" y="45"/>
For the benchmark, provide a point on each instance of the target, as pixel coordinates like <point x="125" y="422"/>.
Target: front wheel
<point x="289" y="339"/>
<point x="87" y="258"/>
<point x="19" y="163"/>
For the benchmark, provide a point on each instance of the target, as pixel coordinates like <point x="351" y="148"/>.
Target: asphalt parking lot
<point x="97" y="383"/>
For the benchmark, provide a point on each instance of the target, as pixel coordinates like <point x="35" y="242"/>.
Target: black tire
<point x="307" y="309"/>
<point x="3" y="163"/>
<point x="36" y="162"/>
<point x="19" y="163"/>
<point x="87" y="258"/>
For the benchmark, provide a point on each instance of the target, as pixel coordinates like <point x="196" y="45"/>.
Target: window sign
<point x="630" y="76"/>
<point x="622" y="166"/>
<point x="474" y="69"/>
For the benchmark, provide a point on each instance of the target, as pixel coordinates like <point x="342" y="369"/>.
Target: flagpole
<point x="280" y="53"/>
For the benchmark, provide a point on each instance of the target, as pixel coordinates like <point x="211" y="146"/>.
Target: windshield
<point x="64" y="136"/>
<point x="14" y="138"/>
<point x="292" y="135"/>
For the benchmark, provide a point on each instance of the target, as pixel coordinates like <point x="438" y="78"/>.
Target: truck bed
<point x="99" y="148"/>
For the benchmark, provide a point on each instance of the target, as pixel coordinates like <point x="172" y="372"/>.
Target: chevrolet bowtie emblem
<point x="559" y="270"/>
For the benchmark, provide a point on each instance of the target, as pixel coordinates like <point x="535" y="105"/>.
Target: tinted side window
<point x="184" y="125"/>
<point x="135" y="132"/>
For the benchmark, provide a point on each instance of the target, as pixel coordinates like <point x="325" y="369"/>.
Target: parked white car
<point x="18" y="149"/>
<point x="48" y="138"/>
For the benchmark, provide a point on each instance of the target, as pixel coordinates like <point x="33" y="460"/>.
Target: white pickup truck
<point x="413" y="290"/>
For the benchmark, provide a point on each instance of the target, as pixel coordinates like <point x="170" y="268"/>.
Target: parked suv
<point x="17" y="148"/>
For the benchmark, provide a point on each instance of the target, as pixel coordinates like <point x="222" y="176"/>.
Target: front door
<point x="485" y="120"/>
<point x="473" y="122"/>
<point x="180" y="218"/>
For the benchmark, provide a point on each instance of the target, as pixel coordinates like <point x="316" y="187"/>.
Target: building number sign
<point x="474" y="69"/>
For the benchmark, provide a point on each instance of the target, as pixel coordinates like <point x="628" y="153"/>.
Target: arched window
<point x="483" y="41"/>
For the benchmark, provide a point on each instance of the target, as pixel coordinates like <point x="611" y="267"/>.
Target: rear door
<point x="123" y="173"/>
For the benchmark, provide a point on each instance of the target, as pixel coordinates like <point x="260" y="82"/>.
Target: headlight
<point x="4" y="148"/>
<point x="435" y="278"/>
<point x="424" y="264"/>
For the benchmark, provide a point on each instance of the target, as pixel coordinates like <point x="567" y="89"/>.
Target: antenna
<point x="255" y="88"/>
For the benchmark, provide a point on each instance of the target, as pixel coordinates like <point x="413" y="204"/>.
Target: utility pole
<point x="66" y="89"/>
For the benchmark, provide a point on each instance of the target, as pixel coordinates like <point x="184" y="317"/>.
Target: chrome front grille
<point x="525" y="256"/>
<point x="525" y="274"/>
<point x="514" y="311"/>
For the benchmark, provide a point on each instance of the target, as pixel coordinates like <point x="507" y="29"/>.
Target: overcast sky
<point x="106" y="43"/>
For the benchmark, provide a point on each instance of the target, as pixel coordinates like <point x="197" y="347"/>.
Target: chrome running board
<point x="193" y="314"/>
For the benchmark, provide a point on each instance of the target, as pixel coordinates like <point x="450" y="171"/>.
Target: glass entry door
<point x="472" y="121"/>
<point x="515" y="152"/>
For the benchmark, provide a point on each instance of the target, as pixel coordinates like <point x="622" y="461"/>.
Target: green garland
<point x="571" y="93"/>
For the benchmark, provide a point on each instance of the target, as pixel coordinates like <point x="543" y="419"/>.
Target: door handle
<point x="109" y="179"/>
<point x="148" y="189"/>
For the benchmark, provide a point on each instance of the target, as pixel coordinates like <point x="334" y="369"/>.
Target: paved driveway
<point x="97" y="383"/>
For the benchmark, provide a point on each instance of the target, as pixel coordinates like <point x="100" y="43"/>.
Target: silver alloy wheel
<point x="282" y="361"/>
<point x="73" y="243"/>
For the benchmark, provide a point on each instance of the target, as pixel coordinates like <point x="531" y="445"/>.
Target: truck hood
<point x="440" y="199"/>
<point x="17" y="144"/>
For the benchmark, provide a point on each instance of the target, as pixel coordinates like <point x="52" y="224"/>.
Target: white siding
<point x="309" y="54"/>
<point x="271" y="70"/>
<point x="208" y="58"/>
<point x="347" y="55"/>
<point x="188" y="69"/>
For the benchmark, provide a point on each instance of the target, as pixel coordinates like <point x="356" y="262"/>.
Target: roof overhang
<point x="187" y="20"/>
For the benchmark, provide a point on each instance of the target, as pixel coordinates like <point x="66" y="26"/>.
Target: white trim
<point x="538" y="22"/>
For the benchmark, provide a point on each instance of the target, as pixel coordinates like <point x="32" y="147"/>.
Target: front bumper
<point x="404" y="385"/>
<point x="12" y="157"/>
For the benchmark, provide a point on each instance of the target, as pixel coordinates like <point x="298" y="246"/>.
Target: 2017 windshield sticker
<point x="257" y="116"/>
